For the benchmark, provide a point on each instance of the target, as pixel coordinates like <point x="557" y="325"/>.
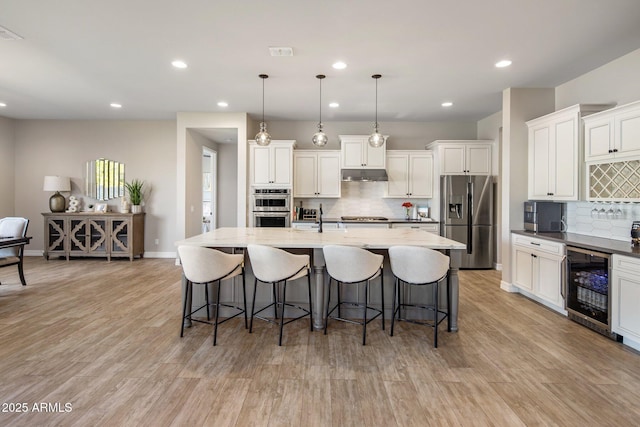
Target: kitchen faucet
<point x="320" y="220"/>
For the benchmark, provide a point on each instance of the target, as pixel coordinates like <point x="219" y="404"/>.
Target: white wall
<point x="615" y="82"/>
<point x="188" y="159"/>
<point x="7" y="171"/>
<point x="62" y="147"/>
<point x="518" y="106"/>
<point x="489" y="129"/>
<point x="402" y="135"/>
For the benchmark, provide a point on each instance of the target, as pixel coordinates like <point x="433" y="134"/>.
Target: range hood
<point x="364" y="175"/>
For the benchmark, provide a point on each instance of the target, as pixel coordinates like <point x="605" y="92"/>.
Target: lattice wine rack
<point x="619" y="181"/>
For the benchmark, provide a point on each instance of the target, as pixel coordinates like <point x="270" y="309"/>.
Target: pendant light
<point x="376" y="139"/>
<point x="320" y="138"/>
<point x="263" y="138"/>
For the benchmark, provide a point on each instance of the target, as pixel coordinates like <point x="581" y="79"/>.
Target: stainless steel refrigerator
<point x="466" y="214"/>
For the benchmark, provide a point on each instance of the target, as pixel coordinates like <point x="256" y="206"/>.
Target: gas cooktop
<point x="364" y="218"/>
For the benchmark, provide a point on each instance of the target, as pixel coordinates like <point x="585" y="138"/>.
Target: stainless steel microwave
<point x="544" y="216"/>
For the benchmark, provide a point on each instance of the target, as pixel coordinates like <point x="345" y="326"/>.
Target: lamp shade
<point x="57" y="183"/>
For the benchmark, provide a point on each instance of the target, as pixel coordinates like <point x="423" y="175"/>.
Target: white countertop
<point x="372" y="238"/>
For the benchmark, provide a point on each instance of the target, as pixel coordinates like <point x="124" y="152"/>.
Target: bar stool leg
<point x="244" y="299"/>
<point x="284" y="299"/>
<point x="448" y="305"/>
<point x="274" y="286"/>
<point x="184" y="306"/>
<point x="253" y="304"/>
<point x="393" y="305"/>
<point x="382" y="296"/>
<point x="364" y="323"/>
<point x="215" y="326"/>
<point x="310" y="306"/>
<point x="326" y="318"/>
<point x="206" y="298"/>
<point x="435" y="312"/>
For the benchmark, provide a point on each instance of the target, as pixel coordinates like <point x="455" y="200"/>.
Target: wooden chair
<point x="13" y="227"/>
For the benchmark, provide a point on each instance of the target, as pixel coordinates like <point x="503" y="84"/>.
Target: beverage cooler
<point x="588" y="298"/>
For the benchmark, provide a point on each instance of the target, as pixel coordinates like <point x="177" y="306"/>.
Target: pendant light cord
<point x="263" y="99"/>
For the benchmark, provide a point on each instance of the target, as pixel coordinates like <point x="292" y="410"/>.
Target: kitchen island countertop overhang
<point x="374" y="239"/>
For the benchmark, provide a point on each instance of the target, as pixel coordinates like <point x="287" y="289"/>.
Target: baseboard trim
<point x="506" y="286"/>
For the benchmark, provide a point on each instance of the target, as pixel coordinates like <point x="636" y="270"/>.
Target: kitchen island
<point x="371" y="239"/>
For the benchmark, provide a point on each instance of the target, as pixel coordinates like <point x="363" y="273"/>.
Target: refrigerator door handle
<point x="469" y="218"/>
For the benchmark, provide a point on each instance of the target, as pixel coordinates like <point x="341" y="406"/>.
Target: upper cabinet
<point x="271" y="166"/>
<point x="316" y="173"/>
<point x="613" y="134"/>
<point x="410" y="174"/>
<point x="555" y="153"/>
<point x="463" y="157"/>
<point x="358" y="154"/>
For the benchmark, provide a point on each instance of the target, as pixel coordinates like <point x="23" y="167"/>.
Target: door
<point x="398" y="172"/>
<point x="481" y="187"/>
<point x="421" y="175"/>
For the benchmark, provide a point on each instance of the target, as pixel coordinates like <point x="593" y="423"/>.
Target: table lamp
<point x="57" y="183"/>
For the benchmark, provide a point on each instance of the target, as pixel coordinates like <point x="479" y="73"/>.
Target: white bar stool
<point x="351" y="265"/>
<point x="272" y="265"/>
<point x="202" y="266"/>
<point x="416" y="266"/>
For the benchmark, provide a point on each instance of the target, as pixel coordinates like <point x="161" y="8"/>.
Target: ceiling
<point x="77" y="57"/>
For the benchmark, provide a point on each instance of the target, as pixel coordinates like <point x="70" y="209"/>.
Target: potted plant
<point x="134" y="188"/>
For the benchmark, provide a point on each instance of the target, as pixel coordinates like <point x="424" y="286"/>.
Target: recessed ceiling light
<point x="115" y="105"/>
<point x="339" y="65"/>
<point x="447" y="104"/>
<point x="179" y="64"/>
<point x="334" y="105"/>
<point x="222" y="104"/>
<point x="2" y="104"/>
<point x="503" y="63"/>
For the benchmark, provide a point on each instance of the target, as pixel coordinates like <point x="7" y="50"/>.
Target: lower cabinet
<point x="537" y="270"/>
<point x="625" y="299"/>
<point x="94" y="235"/>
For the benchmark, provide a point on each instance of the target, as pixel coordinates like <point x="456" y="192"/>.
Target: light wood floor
<point x="104" y="338"/>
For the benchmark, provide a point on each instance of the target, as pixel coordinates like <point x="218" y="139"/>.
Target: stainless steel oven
<point x="588" y="299"/>
<point x="271" y="219"/>
<point x="271" y="207"/>
<point x="271" y="200"/>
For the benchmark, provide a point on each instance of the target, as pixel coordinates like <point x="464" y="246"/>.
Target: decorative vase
<point x="406" y="213"/>
<point x="136" y="209"/>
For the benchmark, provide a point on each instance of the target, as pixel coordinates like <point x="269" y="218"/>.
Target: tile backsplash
<point x="361" y="198"/>
<point x="582" y="218"/>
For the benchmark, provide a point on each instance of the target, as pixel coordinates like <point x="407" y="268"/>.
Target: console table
<point x="94" y="234"/>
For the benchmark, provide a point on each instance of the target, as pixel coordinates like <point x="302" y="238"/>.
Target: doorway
<point x="209" y="189"/>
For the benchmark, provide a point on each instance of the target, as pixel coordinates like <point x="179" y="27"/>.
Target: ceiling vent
<point x="8" y="35"/>
<point x="281" y="51"/>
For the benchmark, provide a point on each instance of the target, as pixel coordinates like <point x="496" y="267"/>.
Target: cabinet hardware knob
<point x="610" y="151"/>
<point x="615" y="150"/>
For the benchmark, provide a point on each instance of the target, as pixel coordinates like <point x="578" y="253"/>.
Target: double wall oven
<point x="271" y="207"/>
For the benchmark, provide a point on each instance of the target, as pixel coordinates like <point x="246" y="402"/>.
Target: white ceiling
<point x="79" y="56"/>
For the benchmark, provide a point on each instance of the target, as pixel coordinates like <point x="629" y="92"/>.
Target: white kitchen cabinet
<point x="316" y="173"/>
<point x="555" y="153"/>
<point x="429" y="227"/>
<point x="463" y="157"/>
<point x="613" y="134"/>
<point x="358" y="154"/>
<point x="410" y="174"/>
<point x="271" y="166"/>
<point x="537" y="270"/>
<point x="625" y="299"/>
